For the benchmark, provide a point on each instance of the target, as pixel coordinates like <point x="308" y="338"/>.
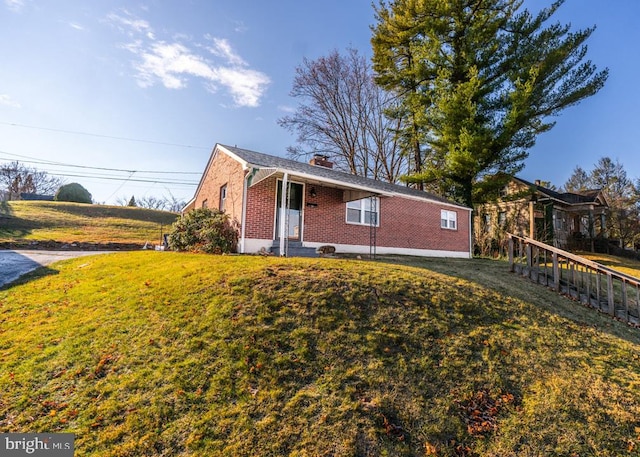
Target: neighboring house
<point x="322" y="206"/>
<point x="36" y="197"/>
<point x="567" y="220"/>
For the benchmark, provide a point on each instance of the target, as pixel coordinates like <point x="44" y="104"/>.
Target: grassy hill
<point x="149" y="353"/>
<point x="29" y="221"/>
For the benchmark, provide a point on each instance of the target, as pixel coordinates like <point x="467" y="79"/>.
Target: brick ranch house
<point x="322" y="206"/>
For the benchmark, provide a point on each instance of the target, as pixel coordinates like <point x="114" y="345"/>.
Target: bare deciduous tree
<point x="621" y="195"/>
<point x="164" y="203"/>
<point x="16" y="179"/>
<point x="343" y="116"/>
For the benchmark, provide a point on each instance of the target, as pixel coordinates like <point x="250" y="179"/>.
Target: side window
<point x="223" y="197"/>
<point x="205" y="203"/>
<point x="365" y="211"/>
<point x="448" y="219"/>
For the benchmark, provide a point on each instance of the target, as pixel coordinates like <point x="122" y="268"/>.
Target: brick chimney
<point x="320" y="160"/>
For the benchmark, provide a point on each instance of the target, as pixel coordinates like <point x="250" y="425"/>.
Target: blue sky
<point x="153" y="85"/>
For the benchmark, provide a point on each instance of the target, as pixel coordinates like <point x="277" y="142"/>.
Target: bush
<point x="204" y="230"/>
<point x="73" y="192"/>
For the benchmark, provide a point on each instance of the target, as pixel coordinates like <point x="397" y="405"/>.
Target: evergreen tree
<point x="73" y="192"/>
<point x="479" y="80"/>
<point x="132" y="201"/>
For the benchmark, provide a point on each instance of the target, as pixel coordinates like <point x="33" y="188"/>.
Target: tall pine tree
<point x="479" y="80"/>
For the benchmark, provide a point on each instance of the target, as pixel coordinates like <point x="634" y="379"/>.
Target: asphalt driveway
<point x="14" y="264"/>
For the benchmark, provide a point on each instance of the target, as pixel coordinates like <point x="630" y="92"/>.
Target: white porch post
<point x="283" y="212"/>
<point x="243" y="223"/>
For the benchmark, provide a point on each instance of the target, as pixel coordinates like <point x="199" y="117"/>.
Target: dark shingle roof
<point x="261" y="160"/>
<point x="587" y="196"/>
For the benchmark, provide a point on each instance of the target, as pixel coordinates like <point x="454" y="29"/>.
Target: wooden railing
<point x="596" y="285"/>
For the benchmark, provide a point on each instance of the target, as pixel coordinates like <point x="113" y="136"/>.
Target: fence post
<point x="511" y="246"/>
<point x="624" y="300"/>
<point x="556" y="272"/>
<point x="588" y="272"/>
<point x="610" y="297"/>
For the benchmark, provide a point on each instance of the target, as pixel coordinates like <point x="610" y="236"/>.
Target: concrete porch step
<point x="294" y="249"/>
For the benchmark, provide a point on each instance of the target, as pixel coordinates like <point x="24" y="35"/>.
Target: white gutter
<point x="243" y="224"/>
<point x="283" y="209"/>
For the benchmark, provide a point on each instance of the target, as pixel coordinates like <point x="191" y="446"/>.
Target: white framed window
<point x="365" y="211"/>
<point x="223" y="197"/>
<point x="448" y="219"/>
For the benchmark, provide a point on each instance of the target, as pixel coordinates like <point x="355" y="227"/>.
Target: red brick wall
<point x="404" y="223"/>
<point x="261" y="210"/>
<point x="223" y="170"/>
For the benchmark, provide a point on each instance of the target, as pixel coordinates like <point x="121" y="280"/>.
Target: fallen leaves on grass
<point x="103" y="367"/>
<point x="480" y="411"/>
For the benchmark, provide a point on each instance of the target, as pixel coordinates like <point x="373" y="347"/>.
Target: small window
<point x="365" y="211"/>
<point x="448" y="219"/>
<point x="205" y="203"/>
<point x="223" y="197"/>
<point x="502" y="218"/>
<point x="487" y="223"/>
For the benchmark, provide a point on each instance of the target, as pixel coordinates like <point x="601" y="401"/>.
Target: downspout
<point x="245" y="187"/>
<point x="470" y="234"/>
<point x="283" y="210"/>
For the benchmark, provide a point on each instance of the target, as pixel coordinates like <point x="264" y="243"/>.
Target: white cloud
<point x="173" y="63"/>
<point x="246" y="86"/>
<point x="170" y="63"/>
<point x="7" y="101"/>
<point x="131" y="25"/>
<point x="73" y="25"/>
<point x="15" y="5"/>
<point x="222" y="48"/>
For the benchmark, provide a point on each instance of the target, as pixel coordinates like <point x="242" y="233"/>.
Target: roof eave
<point x="345" y="185"/>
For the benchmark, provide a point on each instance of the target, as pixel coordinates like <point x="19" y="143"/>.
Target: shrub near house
<point x="204" y="230"/>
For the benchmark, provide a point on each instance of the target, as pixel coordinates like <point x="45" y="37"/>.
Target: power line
<point x="119" y="178"/>
<point x="98" y="135"/>
<point x="143" y="176"/>
<point x="49" y="162"/>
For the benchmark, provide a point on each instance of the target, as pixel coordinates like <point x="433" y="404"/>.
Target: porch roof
<point x="264" y="165"/>
<point x="576" y="200"/>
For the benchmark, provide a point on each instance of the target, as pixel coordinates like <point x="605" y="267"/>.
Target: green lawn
<point x="628" y="266"/>
<point x="76" y="222"/>
<point x="150" y="353"/>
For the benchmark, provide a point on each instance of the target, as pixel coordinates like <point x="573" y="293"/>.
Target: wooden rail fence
<point x="596" y="285"/>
